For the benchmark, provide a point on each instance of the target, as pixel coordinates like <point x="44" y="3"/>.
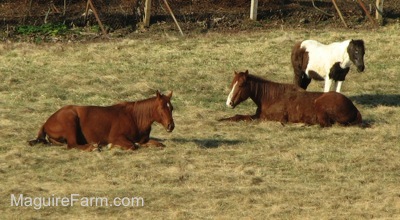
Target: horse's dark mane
<point x="141" y="111"/>
<point x="358" y="43"/>
<point x="272" y="90"/>
<point x="257" y="78"/>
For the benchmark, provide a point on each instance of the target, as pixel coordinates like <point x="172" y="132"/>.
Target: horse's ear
<point x="246" y="72"/>
<point x="235" y="72"/>
<point x="169" y="94"/>
<point x="158" y="94"/>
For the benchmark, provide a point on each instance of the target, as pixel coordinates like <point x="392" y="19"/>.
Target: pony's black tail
<point x="41" y="138"/>
<point x="297" y="58"/>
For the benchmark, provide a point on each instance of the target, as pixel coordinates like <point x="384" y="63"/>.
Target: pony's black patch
<point x="337" y="73"/>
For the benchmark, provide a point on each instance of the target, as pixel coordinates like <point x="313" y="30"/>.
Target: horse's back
<point x="321" y="57"/>
<point x="70" y="113"/>
<point x="97" y="112"/>
<point x="62" y="116"/>
<point x="294" y="106"/>
<point x="311" y="44"/>
<point x="301" y="106"/>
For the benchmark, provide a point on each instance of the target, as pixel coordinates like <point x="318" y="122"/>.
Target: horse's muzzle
<point x="230" y="104"/>
<point x="170" y="127"/>
<point x="360" y="68"/>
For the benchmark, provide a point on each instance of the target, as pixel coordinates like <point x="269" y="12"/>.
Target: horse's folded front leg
<point x="239" y="118"/>
<point x="151" y="142"/>
<point x="124" y="144"/>
<point x="85" y="147"/>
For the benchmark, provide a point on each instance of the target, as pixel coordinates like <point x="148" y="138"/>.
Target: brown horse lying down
<point x="289" y="103"/>
<point x="127" y="124"/>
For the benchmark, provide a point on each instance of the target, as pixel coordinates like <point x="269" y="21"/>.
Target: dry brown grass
<point x="208" y="169"/>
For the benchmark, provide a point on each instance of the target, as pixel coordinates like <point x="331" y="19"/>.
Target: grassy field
<point x="208" y="169"/>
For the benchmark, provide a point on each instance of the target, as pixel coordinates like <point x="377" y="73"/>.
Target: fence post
<point x="379" y="6"/>
<point x="253" y="9"/>
<point x="147" y="12"/>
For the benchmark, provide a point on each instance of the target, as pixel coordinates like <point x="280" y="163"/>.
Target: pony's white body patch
<point x="322" y="57"/>
<point x="230" y="96"/>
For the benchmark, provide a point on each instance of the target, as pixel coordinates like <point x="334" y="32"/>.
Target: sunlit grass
<point x="208" y="169"/>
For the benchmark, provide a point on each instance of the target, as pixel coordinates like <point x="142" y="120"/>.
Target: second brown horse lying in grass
<point x="126" y="124"/>
<point x="289" y="103"/>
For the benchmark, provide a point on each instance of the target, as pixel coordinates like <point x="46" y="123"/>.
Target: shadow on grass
<point x="374" y="100"/>
<point x="208" y="143"/>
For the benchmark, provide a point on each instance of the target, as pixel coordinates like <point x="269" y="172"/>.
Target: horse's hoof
<point x="160" y="145"/>
<point x="32" y="142"/>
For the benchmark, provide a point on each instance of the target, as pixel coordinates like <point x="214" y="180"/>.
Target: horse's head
<point x="164" y="111"/>
<point x="240" y="89"/>
<point x="356" y="51"/>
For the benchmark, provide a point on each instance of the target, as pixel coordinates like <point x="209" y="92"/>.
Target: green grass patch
<point x="45" y="29"/>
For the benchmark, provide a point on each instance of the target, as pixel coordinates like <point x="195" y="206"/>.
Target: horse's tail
<point x="41" y="138"/>
<point x="360" y="122"/>
<point x="359" y="118"/>
<point x="299" y="61"/>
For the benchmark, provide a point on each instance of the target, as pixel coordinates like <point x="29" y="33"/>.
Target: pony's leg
<point x="297" y="78"/>
<point x="305" y="81"/>
<point x="328" y="83"/>
<point x="239" y="118"/>
<point x="338" y="85"/>
<point x="301" y="79"/>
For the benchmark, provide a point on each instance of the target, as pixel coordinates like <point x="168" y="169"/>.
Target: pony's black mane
<point x="358" y="43"/>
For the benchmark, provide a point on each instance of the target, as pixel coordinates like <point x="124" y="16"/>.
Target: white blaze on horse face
<point x="230" y="96"/>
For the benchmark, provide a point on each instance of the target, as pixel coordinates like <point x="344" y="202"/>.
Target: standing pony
<point x="289" y="103"/>
<point x="314" y="60"/>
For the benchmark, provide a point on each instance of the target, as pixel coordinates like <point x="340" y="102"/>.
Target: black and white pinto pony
<point x="314" y="60"/>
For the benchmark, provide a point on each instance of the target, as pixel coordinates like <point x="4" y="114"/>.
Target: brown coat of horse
<point x="290" y="103"/>
<point x="127" y="124"/>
